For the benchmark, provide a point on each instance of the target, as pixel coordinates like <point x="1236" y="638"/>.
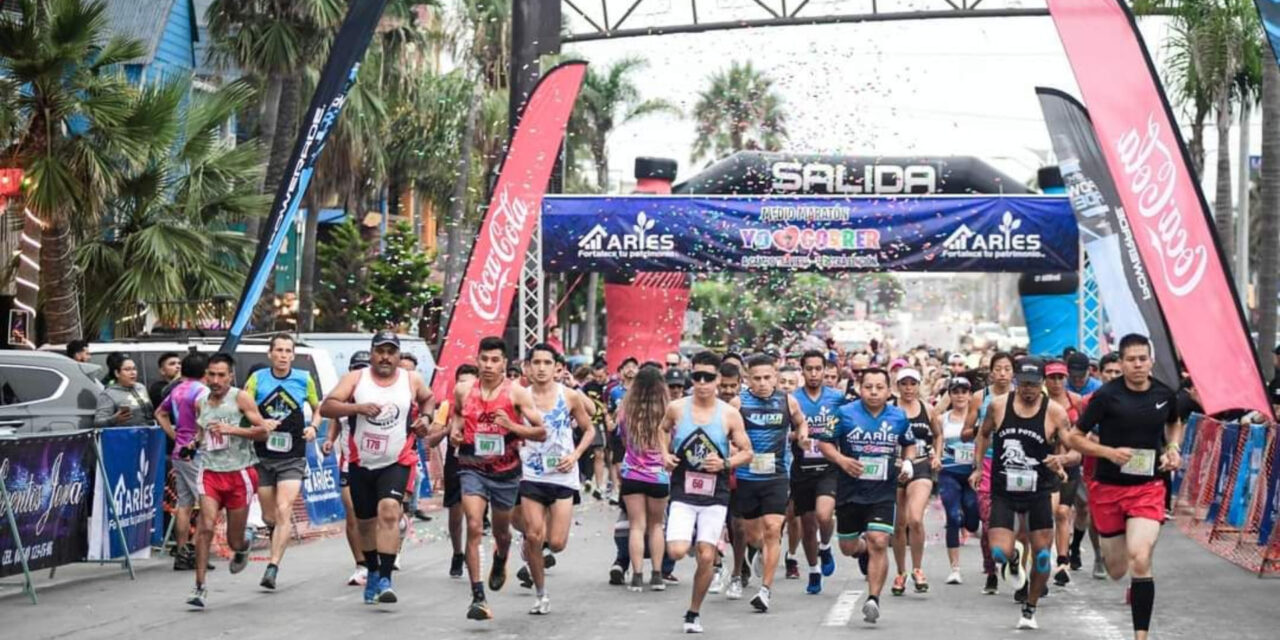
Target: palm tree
<point x="77" y="128"/>
<point x="608" y="100"/>
<point x="1268" y="261"/>
<point x="738" y="110"/>
<point x="166" y="245"/>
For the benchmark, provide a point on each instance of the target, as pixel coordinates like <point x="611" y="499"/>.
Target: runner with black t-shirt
<point x="595" y="390"/>
<point x="1139" y="434"/>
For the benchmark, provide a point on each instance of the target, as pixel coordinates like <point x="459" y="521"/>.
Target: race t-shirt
<point x="595" y="393"/>
<point x="222" y="452"/>
<point x="1123" y="417"/>
<point x="821" y="415"/>
<point x="283" y="399"/>
<point x="768" y="423"/>
<point x="180" y="404"/>
<point x="540" y="459"/>
<point x="486" y="447"/>
<point x="873" y="441"/>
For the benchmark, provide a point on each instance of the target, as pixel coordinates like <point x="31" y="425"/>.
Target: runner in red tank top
<point x="490" y="418"/>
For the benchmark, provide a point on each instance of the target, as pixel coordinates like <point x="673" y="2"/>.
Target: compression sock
<point x="371" y="562"/>
<point x="1143" y="592"/>
<point x="386" y="563"/>
<point x="1076" y="536"/>
<point x="1062" y="559"/>
<point x="477" y="591"/>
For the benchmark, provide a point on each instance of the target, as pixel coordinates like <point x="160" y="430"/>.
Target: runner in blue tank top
<point x="773" y="420"/>
<point x="813" y="479"/>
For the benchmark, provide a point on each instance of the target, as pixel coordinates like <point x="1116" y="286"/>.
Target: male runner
<point x="487" y="426"/>
<point x="227" y="475"/>
<point x="1055" y="385"/>
<point x="176" y="414"/>
<point x="863" y="447"/>
<point x="550" y="469"/>
<point x="702" y="429"/>
<point x="594" y="388"/>
<point x="789" y="378"/>
<point x="772" y="420"/>
<point x="339" y="431"/>
<point x="452" y="488"/>
<point x="729" y="389"/>
<point x="1078" y="378"/>
<point x="381" y="449"/>
<point x="1024" y="427"/>
<point x="1139" y="434"/>
<point x="280" y="391"/>
<point x="813" y="479"/>
<point x="830" y="374"/>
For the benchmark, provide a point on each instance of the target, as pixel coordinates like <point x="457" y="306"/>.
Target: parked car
<point x="44" y="392"/>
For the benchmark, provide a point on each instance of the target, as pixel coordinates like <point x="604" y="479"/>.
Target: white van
<point x="340" y="346"/>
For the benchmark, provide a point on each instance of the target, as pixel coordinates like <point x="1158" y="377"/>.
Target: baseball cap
<point x="909" y="373"/>
<point x="1028" y="370"/>
<point x="959" y="382"/>
<point x="1078" y="363"/>
<point x="359" y="360"/>
<point x="956" y="358"/>
<point x="385" y="337"/>
<point x="674" y="377"/>
<point x="1055" y="368"/>
<point x="900" y="362"/>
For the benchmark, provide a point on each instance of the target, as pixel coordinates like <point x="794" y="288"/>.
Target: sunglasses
<point x="702" y="376"/>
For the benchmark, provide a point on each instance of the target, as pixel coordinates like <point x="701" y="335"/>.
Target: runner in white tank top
<point x="379" y="441"/>
<point x="540" y="459"/>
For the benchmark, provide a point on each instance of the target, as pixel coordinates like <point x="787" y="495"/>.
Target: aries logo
<point x="964" y="242"/>
<point x="639" y="243"/>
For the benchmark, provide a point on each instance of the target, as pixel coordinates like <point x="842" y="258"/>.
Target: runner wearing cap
<point x="913" y="493"/>
<point x="813" y="479"/>
<point x="1055" y="385"/>
<point x="1078" y="379"/>
<point x="339" y="431"/>
<point x="959" y="500"/>
<point x="381" y="447"/>
<point x="676" y="383"/>
<point x="863" y="446"/>
<point x="1139" y="434"/>
<point x="1024" y="427"/>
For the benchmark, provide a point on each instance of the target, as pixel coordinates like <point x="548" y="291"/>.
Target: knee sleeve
<point x="997" y="554"/>
<point x="1044" y="561"/>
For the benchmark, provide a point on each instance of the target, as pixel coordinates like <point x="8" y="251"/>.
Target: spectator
<point x="124" y="403"/>
<point x="78" y="350"/>
<point x="169" y="364"/>
<point x="114" y="360"/>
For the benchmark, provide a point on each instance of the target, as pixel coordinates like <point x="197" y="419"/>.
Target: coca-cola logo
<point x="1152" y="180"/>
<point x="506" y="228"/>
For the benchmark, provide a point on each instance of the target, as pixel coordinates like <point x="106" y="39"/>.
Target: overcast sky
<point x="933" y="87"/>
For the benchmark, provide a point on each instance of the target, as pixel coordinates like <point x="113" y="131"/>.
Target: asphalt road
<point x="1198" y="596"/>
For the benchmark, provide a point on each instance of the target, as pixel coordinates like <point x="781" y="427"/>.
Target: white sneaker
<point x="717" y="581"/>
<point x="1099" y="570"/>
<point x="541" y="606"/>
<point x="359" y="577"/>
<point x="692" y="624"/>
<point x="734" y="592"/>
<point x="761" y="601"/>
<point x="870" y="611"/>
<point x="954" y="576"/>
<point x="1027" y="621"/>
<point x="1013" y="571"/>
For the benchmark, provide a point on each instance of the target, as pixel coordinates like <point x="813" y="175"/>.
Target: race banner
<point x="497" y="257"/>
<point x="1271" y="509"/>
<point x="135" y="461"/>
<point x="811" y="233"/>
<point x="50" y="484"/>
<point x="320" y="491"/>
<point x="1226" y="462"/>
<point x="1161" y="200"/>
<point x="1250" y="471"/>
<point x="336" y="78"/>
<point x="1123" y="284"/>
<point x="1269" y="12"/>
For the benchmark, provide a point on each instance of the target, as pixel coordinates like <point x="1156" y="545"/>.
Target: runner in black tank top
<point x="1025" y="427"/>
<point x="913" y="495"/>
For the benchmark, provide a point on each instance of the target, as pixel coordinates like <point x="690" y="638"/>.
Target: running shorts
<point x="186" y="481"/>
<point x="273" y="470"/>
<point x="545" y="493"/>
<point x="649" y="489"/>
<point x="230" y="489"/>
<point x="921" y="469"/>
<point x="452" y="486"/>
<point x="853" y="520"/>
<point x="684" y="519"/>
<point x="755" y="498"/>
<point x="806" y="488"/>
<point x="1038" y="511"/>
<point x="1111" y="505"/>
<point x="371" y="486"/>
<point x="501" y="493"/>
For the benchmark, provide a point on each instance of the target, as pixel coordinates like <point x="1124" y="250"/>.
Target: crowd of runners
<point x="748" y="466"/>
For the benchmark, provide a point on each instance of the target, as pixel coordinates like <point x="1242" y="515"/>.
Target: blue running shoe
<point x="828" y="561"/>
<point x="815" y="584"/>
<point x="371" y="590"/>
<point x="386" y="595"/>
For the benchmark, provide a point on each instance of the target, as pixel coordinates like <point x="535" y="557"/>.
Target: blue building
<point x="168" y="32"/>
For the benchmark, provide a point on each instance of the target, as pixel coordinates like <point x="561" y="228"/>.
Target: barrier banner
<point x="1226" y="461"/>
<point x="1247" y="480"/>
<point x="50" y="484"/>
<point x="424" y="471"/>
<point x="135" y="461"/>
<point x="1187" y="451"/>
<point x="746" y="233"/>
<point x="320" y="491"/>
<point x="1272" y="505"/>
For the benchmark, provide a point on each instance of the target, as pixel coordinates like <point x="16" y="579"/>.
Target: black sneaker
<point x="1075" y="561"/>
<point x="548" y="561"/>
<point x="184" y="561"/>
<point x="479" y="610"/>
<point x="670" y="578"/>
<point x="498" y="573"/>
<point x="455" y="565"/>
<point x="1020" y="596"/>
<point x="793" y="569"/>
<point x="992" y="586"/>
<point x="421" y="515"/>
<point x="1062" y="577"/>
<point x="269" y="577"/>
<point x="525" y="578"/>
<point x="617" y="575"/>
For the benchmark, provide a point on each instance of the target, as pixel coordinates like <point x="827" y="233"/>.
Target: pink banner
<point x="493" y="272"/>
<point x="1162" y="200"/>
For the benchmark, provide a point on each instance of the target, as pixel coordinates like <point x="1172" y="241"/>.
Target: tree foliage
<point x="397" y="286"/>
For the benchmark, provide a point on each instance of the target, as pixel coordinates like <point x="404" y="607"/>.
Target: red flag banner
<point x="1162" y="200"/>
<point x="493" y="271"/>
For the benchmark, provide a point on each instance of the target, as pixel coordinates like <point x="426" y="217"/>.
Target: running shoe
<point x="1028" y="619"/>
<point x="498" y="573"/>
<point x="359" y="577"/>
<point x="541" y="606"/>
<point x="386" y="595"/>
<point x="455" y="565"/>
<point x="1099" y="569"/>
<point x="734" y="592"/>
<point x="1062" y="576"/>
<point x="1020" y="596"/>
<point x="184" y="560"/>
<point x="717" y="580"/>
<point x="197" y="597"/>
<point x="269" y="577"/>
<point x="793" y="569"/>
<point x="1012" y="571"/>
<point x="828" y="561"/>
<point x="670" y="578"/>
<point x="815" y="584"/>
<point x="479" y="610"/>
<point x="525" y="578"/>
<point x="548" y="561"/>
<point x="617" y="575"/>
<point x="637" y="583"/>
<point x="761" y="601"/>
<point x="1075" y="561"/>
<point x="371" y="591"/>
<point x="992" y="586"/>
<point x="656" y="583"/>
<point x="239" y="560"/>
<point x="921" y="583"/>
<point x="899" y="584"/>
<point x="870" y="611"/>
<point x="954" y="576"/>
<point x="692" y="622"/>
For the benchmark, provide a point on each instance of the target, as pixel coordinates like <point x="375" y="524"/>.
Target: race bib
<point x="490" y="445"/>
<point x="214" y="441"/>
<point x="280" y="442"/>
<point x="699" y="484"/>
<point x="1143" y="463"/>
<point x="812" y="452"/>
<point x="964" y="453"/>
<point x="550" y="462"/>
<point x="763" y="463"/>
<point x="374" y="444"/>
<point x="1020" y="480"/>
<point x="874" y="468"/>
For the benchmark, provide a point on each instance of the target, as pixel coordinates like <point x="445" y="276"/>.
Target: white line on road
<point x="842" y="610"/>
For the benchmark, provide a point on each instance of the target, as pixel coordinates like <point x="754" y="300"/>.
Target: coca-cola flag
<point x="1162" y="200"/>
<point x="493" y="271"/>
